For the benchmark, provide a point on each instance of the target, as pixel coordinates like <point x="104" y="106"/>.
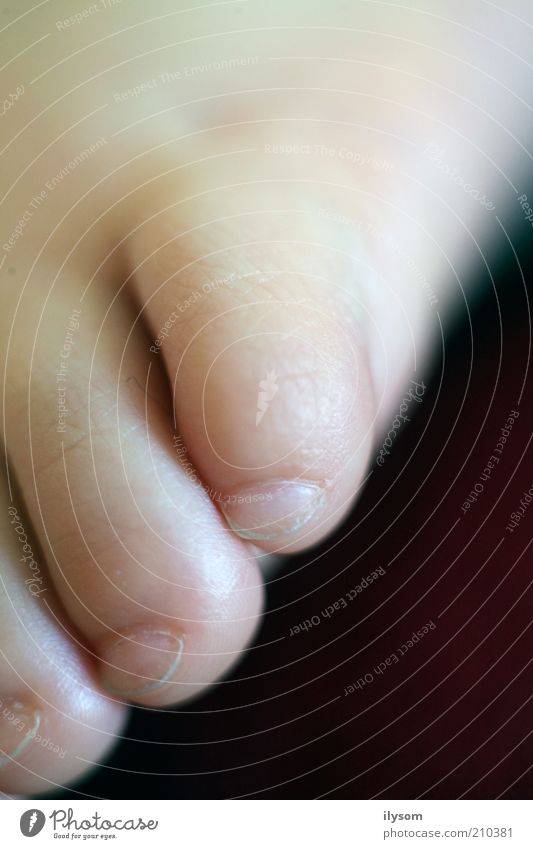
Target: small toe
<point x="56" y="722"/>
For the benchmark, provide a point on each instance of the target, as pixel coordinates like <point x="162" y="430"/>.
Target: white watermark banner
<point x="263" y="824"/>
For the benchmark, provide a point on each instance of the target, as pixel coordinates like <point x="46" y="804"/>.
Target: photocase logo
<point x="32" y="822"/>
<point x="267" y="389"/>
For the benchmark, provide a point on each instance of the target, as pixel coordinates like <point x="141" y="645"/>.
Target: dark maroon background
<point x="452" y="718"/>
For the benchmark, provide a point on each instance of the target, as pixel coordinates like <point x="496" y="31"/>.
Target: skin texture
<point x="244" y="241"/>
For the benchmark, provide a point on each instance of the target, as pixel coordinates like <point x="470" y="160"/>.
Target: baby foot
<point x="208" y="326"/>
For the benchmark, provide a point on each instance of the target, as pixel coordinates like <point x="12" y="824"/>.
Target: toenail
<point x="274" y="509"/>
<point x="141" y="661"/>
<point x="18" y="726"/>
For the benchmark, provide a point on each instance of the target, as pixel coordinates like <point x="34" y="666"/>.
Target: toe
<point x="262" y="327"/>
<point x="165" y="598"/>
<point x="55" y="720"/>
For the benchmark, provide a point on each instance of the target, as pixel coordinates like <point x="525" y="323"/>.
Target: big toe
<point x="263" y="326"/>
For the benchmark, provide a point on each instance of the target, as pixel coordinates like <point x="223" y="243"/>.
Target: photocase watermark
<point x="50" y="185"/>
<point x="379" y="236"/>
<point x="326" y="152"/>
<point x="339" y="604"/>
<point x="28" y="732"/>
<point x="65" y="824"/>
<point x="186" y="463"/>
<point x="181" y="308"/>
<point x="187" y="72"/>
<point x="73" y="326"/>
<point x="415" y="393"/>
<point x="492" y="462"/>
<point x="189" y="469"/>
<point x="84" y="14"/>
<point x="65" y="819"/>
<point x="266" y="392"/>
<point x="393" y="658"/>
<point x="10" y="99"/>
<point x="35" y="582"/>
<point x="526" y="208"/>
<point x="520" y="512"/>
<point x="32" y="822"/>
<point x="435" y="154"/>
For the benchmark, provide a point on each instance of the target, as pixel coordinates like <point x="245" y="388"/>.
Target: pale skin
<point x="199" y="206"/>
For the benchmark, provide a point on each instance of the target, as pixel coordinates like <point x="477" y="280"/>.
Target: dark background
<point x="454" y="717"/>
